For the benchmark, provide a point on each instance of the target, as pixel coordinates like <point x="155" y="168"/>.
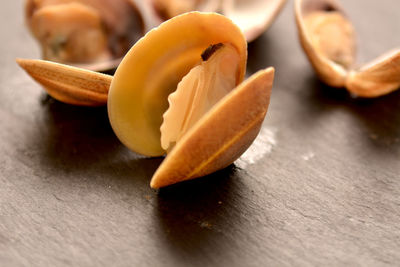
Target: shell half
<point x="69" y="84"/>
<point x="328" y="39"/>
<point x="154" y="66"/>
<point x="380" y="77"/>
<point x="222" y="135"/>
<point x="254" y="17"/>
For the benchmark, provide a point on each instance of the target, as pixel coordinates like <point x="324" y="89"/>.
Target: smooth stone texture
<point x="321" y="186"/>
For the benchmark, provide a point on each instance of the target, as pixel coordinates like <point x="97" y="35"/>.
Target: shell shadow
<point x="130" y="177"/>
<point x="260" y="54"/>
<point x="379" y="117"/>
<point x="73" y="137"/>
<point x="190" y="217"/>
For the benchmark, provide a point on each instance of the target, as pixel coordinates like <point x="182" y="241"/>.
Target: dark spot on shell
<point x="210" y="51"/>
<point x="329" y="8"/>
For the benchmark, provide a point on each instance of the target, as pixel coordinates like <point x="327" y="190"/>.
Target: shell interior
<point x="252" y="16"/>
<point x="213" y="117"/>
<point x="198" y="92"/>
<point x="328" y="39"/>
<point x="154" y="66"/>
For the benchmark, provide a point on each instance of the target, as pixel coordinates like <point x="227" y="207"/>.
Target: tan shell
<point x="328" y="39"/>
<point x="252" y="16"/>
<point x="222" y="135"/>
<point x="380" y="77"/>
<point x="92" y="34"/>
<point x="312" y="24"/>
<point x="151" y="71"/>
<point x="69" y="84"/>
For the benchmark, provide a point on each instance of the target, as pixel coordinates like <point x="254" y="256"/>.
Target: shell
<point x="222" y="135"/>
<point x="380" y="77"/>
<point x="252" y="16"/>
<point x="327" y="38"/>
<point x="69" y="84"/>
<point x="167" y="9"/>
<point x="316" y="20"/>
<point x="92" y="34"/>
<point x="151" y="71"/>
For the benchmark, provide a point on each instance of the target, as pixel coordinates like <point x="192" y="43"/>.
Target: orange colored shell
<point x="152" y="69"/>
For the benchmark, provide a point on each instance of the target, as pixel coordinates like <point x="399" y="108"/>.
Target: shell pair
<point x="328" y="39"/>
<point x="178" y="91"/>
<point x="96" y="34"/>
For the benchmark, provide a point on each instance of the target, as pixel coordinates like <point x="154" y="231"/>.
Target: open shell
<point x="213" y="117"/>
<point x="152" y="70"/>
<point x="315" y="18"/>
<point x="69" y="84"/>
<point x="92" y="34"/>
<point x="154" y="66"/>
<point x="328" y="39"/>
<point x="252" y="16"/>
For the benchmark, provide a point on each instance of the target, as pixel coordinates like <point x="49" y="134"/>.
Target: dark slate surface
<point x="321" y="186"/>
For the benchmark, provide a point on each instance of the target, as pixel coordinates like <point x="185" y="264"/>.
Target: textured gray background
<point x="326" y="190"/>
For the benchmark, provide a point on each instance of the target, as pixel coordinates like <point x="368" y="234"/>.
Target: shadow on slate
<point x="191" y="214"/>
<point x="380" y="117"/>
<point x="261" y="47"/>
<point x="74" y="135"/>
<point x="132" y="176"/>
<point x="79" y="141"/>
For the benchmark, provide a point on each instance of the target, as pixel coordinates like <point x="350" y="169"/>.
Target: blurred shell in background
<point x="252" y="16"/>
<point x="93" y="34"/>
<point x="96" y="34"/>
<point x="329" y="41"/>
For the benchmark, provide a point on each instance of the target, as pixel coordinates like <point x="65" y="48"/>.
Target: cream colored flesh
<point x="198" y="92"/>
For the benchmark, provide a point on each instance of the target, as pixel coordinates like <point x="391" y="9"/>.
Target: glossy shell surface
<point x="154" y="66"/>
